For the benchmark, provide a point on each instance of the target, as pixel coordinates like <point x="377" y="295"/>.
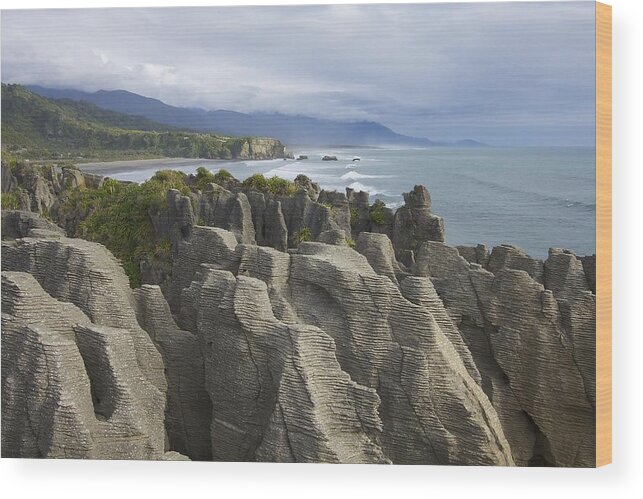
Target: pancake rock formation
<point x="311" y="327"/>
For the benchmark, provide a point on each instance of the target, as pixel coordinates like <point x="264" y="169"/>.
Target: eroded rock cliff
<point x="311" y="327"/>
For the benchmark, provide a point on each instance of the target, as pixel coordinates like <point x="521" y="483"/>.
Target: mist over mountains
<point x="290" y="129"/>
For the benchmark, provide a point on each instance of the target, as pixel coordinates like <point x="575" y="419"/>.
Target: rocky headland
<point x="286" y="323"/>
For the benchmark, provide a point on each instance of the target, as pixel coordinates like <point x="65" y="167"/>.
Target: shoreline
<point x="127" y="165"/>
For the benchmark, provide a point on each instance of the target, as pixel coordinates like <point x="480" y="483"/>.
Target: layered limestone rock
<point x="359" y="207"/>
<point x="219" y="207"/>
<point x="335" y="237"/>
<point x="420" y="290"/>
<point x="565" y="277"/>
<point x="531" y="344"/>
<point x="512" y="257"/>
<point x="312" y="188"/>
<point x="340" y="209"/>
<point x="179" y="219"/>
<point x="276" y="341"/>
<point x="87" y="275"/>
<point x="270" y="400"/>
<point x="378" y="250"/>
<point x="264" y="218"/>
<point x="475" y="254"/>
<point x="282" y="222"/>
<point x="414" y="223"/>
<point x="72" y="388"/>
<point x="206" y="245"/>
<point x="188" y="411"/>
<point x="386" y="342"/>
<point x="39" y="187"/>
<point x="302" y="214"/>
<point x="432" y="410"/>
<point x="18" y="224"/>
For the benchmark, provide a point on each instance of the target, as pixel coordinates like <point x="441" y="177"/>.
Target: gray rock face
<point x="258" y="209"/>
<point x="87" y="275"/>
<point x="188" y="410"/>
<point x="221" y="208"/>
<point x="359" y="207"/>
<point x="18" y="224"/>
<point x="180" y="218"/>
<point x="269" y="402"/>
<point x="260" y="148"/>
<point x="340" y="209"/>
<point x="589" y="267"/>
<point x="378" y="250"/>
<point x="420" y="291"/>
<point x="512" y="257"/>
<point x="385" y="342"/>
<point x="475" y="254"/>
<point x="301" y="213"/>
<point x="73" y="179"/>
<point x="282" y="349"/>
<point x="275" y="229"/>
<point x="9" y="182"/>
<point x="312" y="188"/>
<point x="206" y="245"/>
<point x="335" y="237"/>
<point x="40" y="189"/>
<point x="526" y="339"/>
<point x="71" y="388"/>
<point x="43" y="197"/>
<point x="565" y="277"/>
<point x="431" y="409"/>
<point x="414" y="223"/>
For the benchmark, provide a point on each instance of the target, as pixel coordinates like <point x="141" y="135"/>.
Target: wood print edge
<point x="603" y="234"/>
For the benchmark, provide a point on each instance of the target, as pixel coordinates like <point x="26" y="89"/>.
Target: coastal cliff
<point x="287" y="323"/>
<point x="37" y="128"/>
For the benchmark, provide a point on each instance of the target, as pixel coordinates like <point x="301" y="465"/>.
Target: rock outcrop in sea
<point x="370" y="340"/>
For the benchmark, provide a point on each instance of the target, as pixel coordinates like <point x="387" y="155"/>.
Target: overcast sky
<point x="503" y="73"/>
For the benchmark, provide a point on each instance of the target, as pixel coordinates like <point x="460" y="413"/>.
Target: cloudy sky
<point x="506" y="74"/>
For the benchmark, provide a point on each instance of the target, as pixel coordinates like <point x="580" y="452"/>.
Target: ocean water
<point x="535" y="198"/>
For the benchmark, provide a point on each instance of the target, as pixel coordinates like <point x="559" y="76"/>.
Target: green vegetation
<point x="257" y="182"/>
<point x="274" y="185"/>
<point x="350" y="242"/>
<point x="10" y="201"/>
<point x="330" y="207"/>
<point x="118" y="216"/>
<point x="205" y="177"/>
<point x="38" y="128"/>
<point x="222" y="176"/>
<point x="303" y="235"/>
<point x="377" y="215"/>
<point x="354" y="215"/>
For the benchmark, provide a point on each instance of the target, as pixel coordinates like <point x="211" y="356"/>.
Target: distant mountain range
<point x="290" y="129"/>
<point x="36" y="127"/>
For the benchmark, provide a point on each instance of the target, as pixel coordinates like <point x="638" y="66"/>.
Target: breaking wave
<point x="358" y="186"/>
<point x="355" y="175"/>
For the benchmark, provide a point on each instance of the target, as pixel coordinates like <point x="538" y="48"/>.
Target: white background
<point x="27" y="478"/>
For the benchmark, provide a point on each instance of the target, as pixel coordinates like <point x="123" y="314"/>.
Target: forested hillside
<point x="34" y="127"/>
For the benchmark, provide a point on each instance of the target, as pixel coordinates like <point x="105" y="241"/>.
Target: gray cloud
<point x="506" y="73"/>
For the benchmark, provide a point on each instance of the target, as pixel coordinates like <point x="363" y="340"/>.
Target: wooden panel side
<point x="603" y="234"/>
